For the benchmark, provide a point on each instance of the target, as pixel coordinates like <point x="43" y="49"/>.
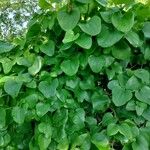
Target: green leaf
<point x="121" y="96"/>
<point x="44" y="4"/>
<point x="143" y="75"/>
<point x="133" y="39"/>
<point x="106" y="15"/>
<point x="18" y="114"/>
<point x="96" y="63"/>
<point x="43" y="142"/>
<point x="126" y="2"/>
<point x="121" y="51"/>
<point x="68" y="21"/>
<point x="131" y="105"/>
<point x="133" y="83"/>
<point x="12" y="87"/>
<point x="36" y="67"/>
<point x="2" y="118"/>
<point x="112" y="129"/>
<point x="42" y="109"/>
<point x="92" y="26"/>
<point x="140" y="143"/>
<point x="5" y="47"/>
<point x="100" y="141"/>
<point x="83" y="1"/>
<point x="125" y="130"/>
<point x="70" y="67"/>
<point x="123" y="22"/>
<point x="102" y="2"/>
<point x="81" y="141"/>
<point x="63" y="144"/>
<point x="84" y="41"/>
<point x="108" y="119"/>
<point x="143" y="94"/>
<point x="33" y="32"/>
<point x="146" y="30"/>
<point x="99" y="101"/>
<point x="140" y="107"/>
<point x="70" y="37"/>
<point x="79" y="117"/>
<point x="48" y="48"/>
<point x="48" y="89"/>
<point x="46" y="129"/>
<point x="108" y="36"/>
<point x="146" y="114"/>
<point x="7" y="64"/>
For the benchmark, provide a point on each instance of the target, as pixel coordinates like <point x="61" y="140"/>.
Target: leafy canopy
<point x="79" y="79"/>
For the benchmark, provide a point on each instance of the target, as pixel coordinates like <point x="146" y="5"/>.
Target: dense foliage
<point x="79" y="80"/>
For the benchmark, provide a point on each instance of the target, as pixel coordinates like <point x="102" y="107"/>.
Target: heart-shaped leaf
<point x="70" y="67"/>
<point x="12" y="87"/>
<point x="48" y="89"/>
<point x="121" y="96"/>
<point x="84" y="41"/>
<point x="68" y="20"/>
<point x="108" y="36"/>
<point x="48" y="48"/>
<point x="123" y="22"/>
<point x="96" y="63"/>
<point x="92" y="26"/>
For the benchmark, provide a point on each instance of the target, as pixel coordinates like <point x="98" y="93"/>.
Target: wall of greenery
<point x="79" y="79"/>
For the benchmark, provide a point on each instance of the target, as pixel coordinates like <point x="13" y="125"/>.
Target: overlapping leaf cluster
<point x="79" y="80"/>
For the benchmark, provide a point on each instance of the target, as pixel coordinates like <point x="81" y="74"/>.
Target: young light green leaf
<point x="100" y="141"/>
<point x="46" y="129"/>
<point x="43" y="142"/>
<point x="92" y="26"/>
<point x="70" y="36"/>
<point x="36" y="67"/>
<point x="48" y="48"/>
<point x="68" y="21"/>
